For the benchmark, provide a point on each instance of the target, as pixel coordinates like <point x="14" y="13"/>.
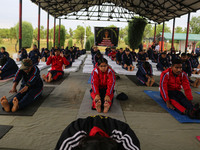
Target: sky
<point x="9" y="10"/>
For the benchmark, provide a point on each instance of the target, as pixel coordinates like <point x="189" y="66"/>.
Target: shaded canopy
<point x="155" y="10"/>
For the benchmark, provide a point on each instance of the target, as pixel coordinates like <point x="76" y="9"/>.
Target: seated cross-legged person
<point x="34" y="55"/>
<point x="67" y="55"/>
<point x="45" y="55"/>
<point x="163" y="63"/>
<point x="113" y="53"/>
<point x="119" y="56"/>
<point x="8" y="69"/>
<point x="3" y="52"/>
<point x="171" y="82"/>
<point x="97" y="56"/>
<point x="31" y="87"/>
<point x="103" y="82"/>
<point x="22" y="54"/>
<point x="57" y="63"/>
<point x="145" y="74"/>
<point x="127" y="61"/>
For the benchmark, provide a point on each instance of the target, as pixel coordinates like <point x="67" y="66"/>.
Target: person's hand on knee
<point x="13" y="90"/>
<point x="169" y="105"/>
<point x="24" y="89"/>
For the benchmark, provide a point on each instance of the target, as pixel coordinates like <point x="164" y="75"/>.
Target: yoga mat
<point x="155" y="95"/>
<point x="198" y="138"/>
<point x="5" y="80"/>
<point x="4" y="129"/>
<point x="32" y="108"/>
<point x="58" y="82"/>
<point x="85" y="108"/>
<point x="89" y="80"/>
<point x="137" y="82"/>
<point x="71" y="69"/>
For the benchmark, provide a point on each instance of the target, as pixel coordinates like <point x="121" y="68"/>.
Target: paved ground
<point x="155" y="128"/>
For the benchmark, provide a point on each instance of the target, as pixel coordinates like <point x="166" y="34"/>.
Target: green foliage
<point x="79" y="34"/>
<point x="198" y="44"/>
<point x="87" y="45"/>
<point x="88" y="31"/>
<point x="1" y="40"/>
<point x="195" y="25"/>
<point x="50" y="45"/>
<point x="135" y="31"/>
<point x="67" y="35"/>
<point x="178" y="29"/>
<point x="70" y="43"/>
<point x="62" y="36"/>
<point x="27" y="34"/>
<point x="123" y="32"/>
<point x="148" y="31"/>
<point x="91" y="39"/>
<point x="4" y="33"/>
<point x="71" y="33"/>
<point x="126" y="40"/>
<point x="159" y="28"/>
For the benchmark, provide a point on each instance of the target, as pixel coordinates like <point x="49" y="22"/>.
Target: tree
<point x="148" y="31"/>
<point x="135" y="31"/>
<point x="70" y="43"/>
<point x="71" y="33"/>
<point x="126" y="40"/>
<point x="27" y="34"/>
<point x="67" y="34"/>
<point x="79" y="34"/>
<point x="35" y="33"/>
<point x="62" y="36"/>
<point x="178" y="29"/>
<point x="160" y="27"/>
<point x="87" y="45"/>
<point x="123" y="32"/>
<point x="91" y="39"/>
<point x="13" y="33"/>
<point x="88" y="31"/>
<point x="195" y="25"/>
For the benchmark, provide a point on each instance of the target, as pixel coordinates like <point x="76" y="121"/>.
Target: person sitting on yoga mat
<point x="102" y="82"/>
<point x="145" y="74"/>
<point x="22" y="54"/>
<point x="57" y="63"/>
<point x="67" y="55"/>
<point x="155" y="57"/>
<point x="163" y="63"/>
<point x="187" y="68"/>
<point x="31" y="87"/>
<point x="119" y="56"/>
<point x="98" y="133"/>
<point x="45" y="55"/>
<point x="8" y="69"/>
<point x="113" y="53"/>
<point x="134" y="55"/>
<point x="171" y="82"/>
<point x="127" y="60"/>
<point x="142" y="57"/>
<point x="34" y="55"/>
<point x="3" y="52"/>
<point x="97" y="56"/>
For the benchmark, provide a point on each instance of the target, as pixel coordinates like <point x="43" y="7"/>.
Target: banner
<point x="106" y="36"/>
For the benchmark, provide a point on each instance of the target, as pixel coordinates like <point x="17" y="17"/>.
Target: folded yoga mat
<point x="32" y="108"/>
<point x="4" y="129"/>
<point x="137" y="82"/>
<point x="86" y="105"/>
<point x="58" y="82"/>
<point x="155" y="95"/>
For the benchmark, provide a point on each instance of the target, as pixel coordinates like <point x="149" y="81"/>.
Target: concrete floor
<point x="155" y="128"/>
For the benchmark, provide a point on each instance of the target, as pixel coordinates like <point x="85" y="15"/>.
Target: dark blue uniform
<point x="119" y="57"/>
<point x="187" y="67"/>
<point x="134" y="55"/>
<point x="141" y="74"/>
<point x="34" y="55"/>
<point x="33" y="80"/>
<point x="45" y="55"/>
<point x="128" y="60"/>
<point x="8" y="69"/>
<point x="162" y="62"/>
<point x="194" y="61"/>
<point x="23" y="55"/>
<point x="155" y="57"/>
<point x="4" y="54"/>
<point x="141" y="58"/>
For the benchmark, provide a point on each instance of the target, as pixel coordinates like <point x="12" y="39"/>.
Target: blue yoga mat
<point x="89" y="81"/>
<point x="155" y="95"/>
<point x="198" y="93"/>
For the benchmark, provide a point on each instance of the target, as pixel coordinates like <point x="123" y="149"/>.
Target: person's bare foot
<point x="15" y="105"/>
<point x="152" y="82"/>
<point x="106" y="107"/>
<point x="5" y="104"/>
<point x="98" y="106"/>
<point x="44" y="77"/>
<point x="148" y="82"/>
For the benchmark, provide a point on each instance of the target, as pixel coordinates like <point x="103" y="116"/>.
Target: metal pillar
<point x="38" y="38"/>
<point x="154" y="38"/>
<point x="54" y="32"/>
<point x="162" y="36"/>
<point x="172" y="45"/>
<point x="48" y="30"/>
<point x="187" y="34"/>
<point x="20" y="24"/>
<point x="59" y="33"/>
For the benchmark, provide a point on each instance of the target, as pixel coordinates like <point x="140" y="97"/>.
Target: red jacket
<point x="168" y="81"/>
<point x="103" y="80"/>
<point x="112" y="54"/>
<point x="57" y="62"/>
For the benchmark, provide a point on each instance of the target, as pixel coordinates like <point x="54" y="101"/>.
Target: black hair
<point x="146" y="65"/>
<point x="3" y="48"/>
<point x="98" y="142"/>
<point x="183" y="54"/>
<point x="189" y="55"/>
<point x="23" y="49"/>
<point x="99" y="54"/>
<point x="102" y="60"/>
<point x="3" y="61"/>
<point x="176" y="61"/>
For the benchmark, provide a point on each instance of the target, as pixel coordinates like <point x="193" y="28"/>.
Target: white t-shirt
<point x="157" y="48"/>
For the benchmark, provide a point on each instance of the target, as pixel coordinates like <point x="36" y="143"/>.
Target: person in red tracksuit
<point x="103" y="83"/>
<point x="57" y="62"/>
<point x="171" y="81"/>
<point x="113" y="53"/>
